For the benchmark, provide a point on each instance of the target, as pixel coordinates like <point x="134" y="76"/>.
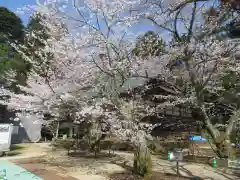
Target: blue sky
<point x="14" y="4"/>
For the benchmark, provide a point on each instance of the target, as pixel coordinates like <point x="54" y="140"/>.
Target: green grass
<point x="17" y="149"/>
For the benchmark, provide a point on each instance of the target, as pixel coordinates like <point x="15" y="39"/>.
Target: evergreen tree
<point x="150" y="44"/>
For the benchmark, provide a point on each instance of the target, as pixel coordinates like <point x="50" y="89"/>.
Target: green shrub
<point x="157" y="146"/>
<point x="142" y="163"/>
<point x="116" y="145"/>
<point x="233" y="137"/>
<point x="65" y="144"/>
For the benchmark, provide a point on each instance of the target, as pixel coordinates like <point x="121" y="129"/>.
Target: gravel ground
<point x="155" y="176"/>
<point x="41" y="171"/>
<point x="57" y="165"/>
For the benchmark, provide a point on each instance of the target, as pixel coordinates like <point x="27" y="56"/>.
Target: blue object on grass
<point x="197" y="138"/>
<point x="14" y="172"/>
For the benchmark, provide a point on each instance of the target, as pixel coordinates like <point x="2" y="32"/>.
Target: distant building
<point x="173" y="120"/>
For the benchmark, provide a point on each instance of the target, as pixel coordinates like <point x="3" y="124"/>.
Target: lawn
<point x="17" y="149"/>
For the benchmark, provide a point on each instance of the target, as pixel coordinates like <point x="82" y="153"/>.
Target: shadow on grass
<point x="13" y="153"/>
<point x="9" y="154"/>
<point x="123" y="163"/>
<point x="125" y="176"/>
<point x="224" y="174"/>
<point x="130" y="175"/>
<point x="90" y="155"/>
<point x="155" y="176"/>
<point x="16" y="147"/>
<point x="15" y="150"/>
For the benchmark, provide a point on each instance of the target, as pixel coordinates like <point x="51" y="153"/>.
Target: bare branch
<point x="183" y="4"/>
<point x="190" y="30"/>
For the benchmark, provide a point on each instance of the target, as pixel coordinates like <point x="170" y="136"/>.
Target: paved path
<point x="23" y="167"/>
<point x="45" y="173"/>
<point x="14" y="172"/>
<point x="193" y="169"/>
<point x="187" y="169"/>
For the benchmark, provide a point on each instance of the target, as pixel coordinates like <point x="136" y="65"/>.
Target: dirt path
<point x="29" y="158"/>
<point x="41" y="171"/>
<point x="187" y="169"/>
<point x="99" y="169"/>
<point x="58" y="166"/>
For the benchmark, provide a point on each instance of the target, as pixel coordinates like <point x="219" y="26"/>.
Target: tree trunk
<point x="223" y="148"/>
<point x="57" y="130"/>
<point x="220" y="139"/>
<point x="222" y="144"/>
<point x="96" y="144"/>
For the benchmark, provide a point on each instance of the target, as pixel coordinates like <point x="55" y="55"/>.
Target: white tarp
<point x="5" y="137"/>
<point x="32" y="126"/>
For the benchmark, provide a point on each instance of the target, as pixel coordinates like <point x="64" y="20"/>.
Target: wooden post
<point x="177" y="168"/>
<point x="70" y="132"/>
<point x="57" y="130"/>
<point x="194" y="157"/>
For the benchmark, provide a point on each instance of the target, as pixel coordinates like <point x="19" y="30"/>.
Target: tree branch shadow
<point x="181" y="168"/>
<point x="91" y="155"/>
<point x="122" y="163"/>
<point x="224" y="174"/>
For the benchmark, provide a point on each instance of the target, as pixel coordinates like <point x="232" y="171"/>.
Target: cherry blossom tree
<point x="98" y="52"/>
<point x="205" y="65"/>
<point x="93" y="51"/>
